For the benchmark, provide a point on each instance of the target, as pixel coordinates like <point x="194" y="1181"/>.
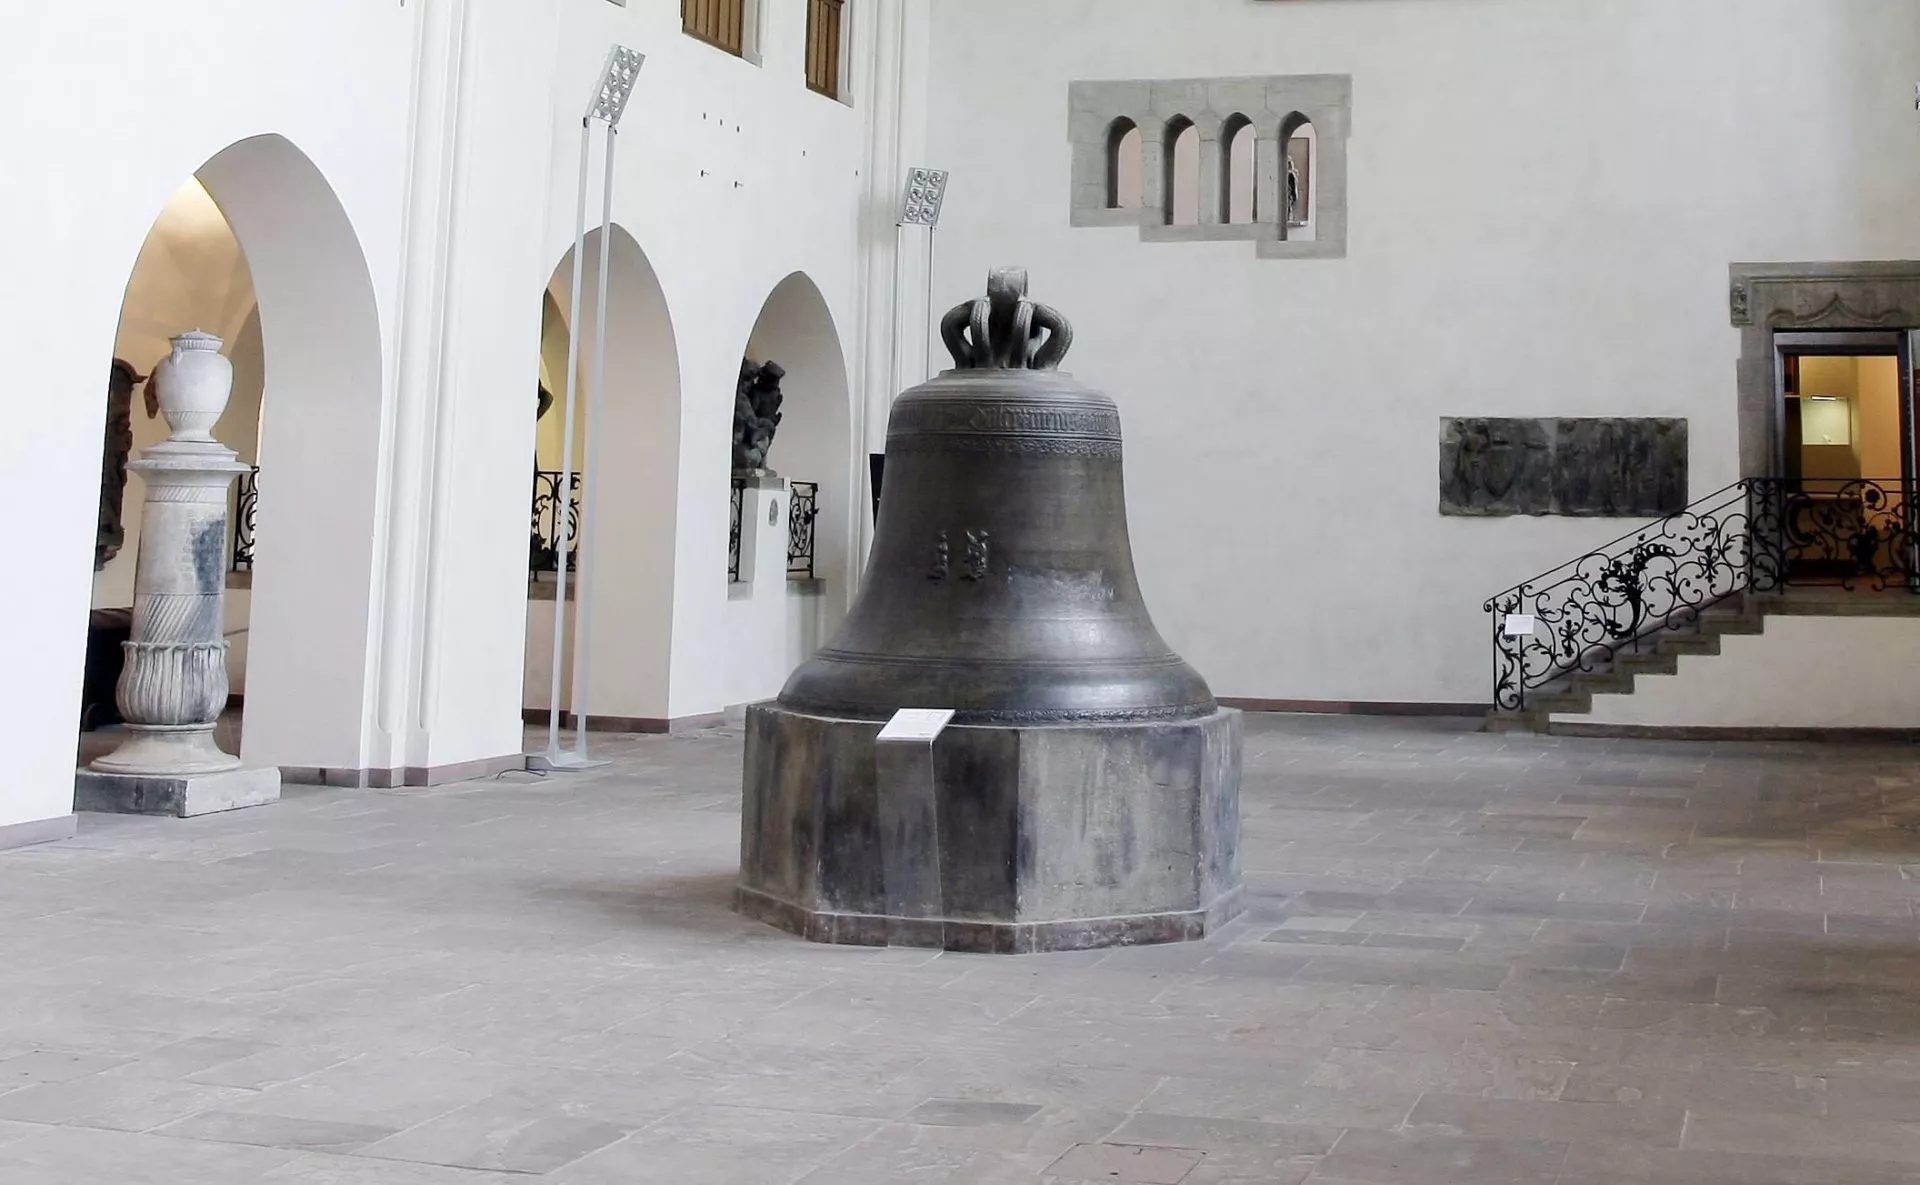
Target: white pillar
<point x="419" y="380"/>
<point x="893" y="90"/>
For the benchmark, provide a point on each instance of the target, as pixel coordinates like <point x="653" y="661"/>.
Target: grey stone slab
<point x="1708" y="1088"/>
<point x="124" y="1099"/>
<point x="721" y="1146"/>
<point x="1516" y="1119"/>
<point x="971" y="1113"/>
<point x="275" y="1131"/>
<point x="520" y="1138"/>
<point x="48" y="1065"/>
<point x="318" y="1168"/>
<point x="89" y="1156"/>
<point x="182" y="1059"/>
<point x="378" y="1091"/>
<point x="1625" y="1164"/>
<point x="1282" y="1103"/>
<point x="183" y="797"/>
<point x="270" y="1067"/>
<point x="1517" y="1073"/>
<point x="1804" y="1136"/>
<point x="1413" y="1158"/>
<point x="1130" y="1163"/>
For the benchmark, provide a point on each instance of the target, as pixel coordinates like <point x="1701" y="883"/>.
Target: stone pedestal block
<point x="181" y="796"/>
<point x="1045" y="838"/>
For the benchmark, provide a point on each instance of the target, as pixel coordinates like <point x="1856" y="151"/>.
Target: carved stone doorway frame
<point x="1770" y="298"/>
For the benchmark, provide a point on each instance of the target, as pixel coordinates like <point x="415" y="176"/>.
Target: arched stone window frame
<point x="1325" y="100"/>
<point x="1168" y="202"/>
<point x="1119" y="131"/>
<point x="1237" y="125"/>
<point x="1290" y="127"/>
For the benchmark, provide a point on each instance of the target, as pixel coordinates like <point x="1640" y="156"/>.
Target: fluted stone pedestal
<point x="174" y="684"/>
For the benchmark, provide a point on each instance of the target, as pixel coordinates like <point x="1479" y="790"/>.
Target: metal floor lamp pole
<point x="611" y="93"/>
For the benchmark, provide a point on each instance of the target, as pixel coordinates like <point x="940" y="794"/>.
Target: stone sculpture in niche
<point x="112" y="533"/>
<point x="1593" y="467"/>
<point x="756" y="414"/>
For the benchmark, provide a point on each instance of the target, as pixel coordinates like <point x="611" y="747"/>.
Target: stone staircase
<point x="1659" y="654"/>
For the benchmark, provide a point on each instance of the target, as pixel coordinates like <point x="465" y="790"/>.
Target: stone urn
<point x="193" y="384"/>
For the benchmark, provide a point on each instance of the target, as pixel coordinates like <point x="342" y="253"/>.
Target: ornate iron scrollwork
<point x="246" y="507"/>
<point x="556" y="523"/>
<point x="801" y="513"/>
<point x="1765" y="534"/>
<point x="1589" y="609"/>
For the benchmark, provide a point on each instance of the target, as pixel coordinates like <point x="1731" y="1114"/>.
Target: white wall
<point x="1545" y="196"/>
<point x="1803" y="672"/>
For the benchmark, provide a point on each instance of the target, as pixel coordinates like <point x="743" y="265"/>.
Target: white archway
<point x="814" y="444"/>
<point x="190" y="273"/>
<point x="631" y="460"/>
<point x="309" y="639"/>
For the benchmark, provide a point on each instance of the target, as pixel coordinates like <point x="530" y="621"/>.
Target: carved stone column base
<point x="163" y="751"/>
<point x="181" y="797"/>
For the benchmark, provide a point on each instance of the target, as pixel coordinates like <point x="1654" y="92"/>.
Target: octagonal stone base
<point x="1027" y="839"/>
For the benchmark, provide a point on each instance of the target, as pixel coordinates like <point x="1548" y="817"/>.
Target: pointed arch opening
<point x="813" y="451"/>
<point x="617" y="520"/>
<point x="1182" y="160"/>
<point x="257" y="249"/>
<point x="1124" y="181"/>
<point x="1238" y="152"/>
<point x="1299" y="153"/>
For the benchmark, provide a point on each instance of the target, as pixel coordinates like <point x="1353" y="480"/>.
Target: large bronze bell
<point x="1001" y="581"/>
<point x="1088" y="792"/>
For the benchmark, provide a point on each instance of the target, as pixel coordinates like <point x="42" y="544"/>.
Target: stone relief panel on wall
<point x="1589" y="467"/>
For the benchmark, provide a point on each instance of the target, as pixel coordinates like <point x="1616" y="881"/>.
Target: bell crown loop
<point x="1004" y="330"/>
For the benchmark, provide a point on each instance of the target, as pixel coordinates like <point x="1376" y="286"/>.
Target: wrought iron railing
<point x="1762" y="534"/>
<point x="1852" y="533"/>
<point x="246" y="508"/>
<point x="556" y="523"/>
<point x="804" y="508"/>
<point x="733" y="530"/>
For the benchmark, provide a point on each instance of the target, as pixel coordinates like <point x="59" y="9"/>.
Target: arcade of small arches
<point x="301" y="520"/>
<point x="1215" y="159"/>
<point x="1242" y="194"/>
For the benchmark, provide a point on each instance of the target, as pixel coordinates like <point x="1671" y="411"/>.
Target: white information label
<point x="1520" y="625"/>
<point x="916" y="724"/>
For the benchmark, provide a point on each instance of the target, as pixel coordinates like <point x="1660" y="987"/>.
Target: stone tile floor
<point x="1468" y="959"/>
